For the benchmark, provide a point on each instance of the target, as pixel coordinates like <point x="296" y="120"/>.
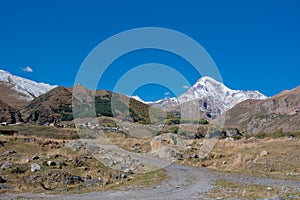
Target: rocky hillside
<point x="279" y="112"/>
<point x="9" y="114"/>
<point x="12" y="97"/>
<point x="53" y="106"/>
<point x="56" y="106"/>
<point x="111" y="104"/>
<point x="26" y="89"/>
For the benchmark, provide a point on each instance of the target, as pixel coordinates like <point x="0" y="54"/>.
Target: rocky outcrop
<point x="167" y="146"/>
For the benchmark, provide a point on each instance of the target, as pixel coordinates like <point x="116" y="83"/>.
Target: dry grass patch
<point x="244" y="156"/>
<point x="225" y="189"/>
<point x="52" y="179"/>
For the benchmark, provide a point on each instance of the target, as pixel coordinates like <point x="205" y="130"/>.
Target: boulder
<point x="35" y="167"/>
<point x="35" y="157"/>
<point x="51" y="163"/>
<point x="75" y="145"/>
<point x="6" y="165"/>
<point x="8" y="153"/>
<point x="167" y="146"/>
<point x="2" y="180"/>
<point x="232" y="132"/>
<point x="264" y="153"/>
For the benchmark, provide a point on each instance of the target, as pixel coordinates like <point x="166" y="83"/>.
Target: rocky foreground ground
<point x="184" y="183"/>
<point x="35" y="168"/>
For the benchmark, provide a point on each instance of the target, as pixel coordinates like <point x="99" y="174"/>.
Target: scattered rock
<point x="27" y="140"/>
<point x="94" y="182"/>
<point x="136" y="147"/>
<point x="74" y="145"/>
<point x="112" y="163"/>
<point x="229" y="139"/>
<point x="274" y="198"/>
<point x="35" y="167"/>
<point x="85" y="168"/>
<point x="73" y="179"/>
<point x="224" y="162"/>
<point x="1" y="144"/>
<point x="56" y="156"/>
<point x="194" y="155"/>
<point x="285" y="190"/>
<point x="51" y="163"/>
<point x="269" y="188"/>
<point x="289" y="174"/>
<point x="17" y="170"/>
<point x="129" y="171"/>
<point x="2" y="180"/>
<point x="32" y="178"/>
<point x="198" y="136"/>
<point x="61" y="163"/>
<point x="6" y="187"/>
<point x="233" y="133"/>
<point x="88" y="177"/>
<point x="35" y="157"/>
<point x="78" y="163"/>
<point x="123" y="175"/>
<point x="6" y="165"/>
<point x="8" y="153"/>
<point x="69" y="182"/>
<point x="264" y="153"/>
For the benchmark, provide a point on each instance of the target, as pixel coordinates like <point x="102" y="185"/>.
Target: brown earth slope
<point x="279" y="112"/>
<point x="52" y="106"/>
<point x="56" y="105"/>
<point x="8" y="113"/>
<point x="12" y="97"/>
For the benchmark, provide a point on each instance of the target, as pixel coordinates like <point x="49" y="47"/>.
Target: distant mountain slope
<point x="112" y="104"/>
<point x="12" y="97"/>
<point x="279" y="112"/>
<point x="56" y="105"/>
<point x="53" y="106"/>
<point x="9" y="114"/>
<point x="21" y="88"/>
<point x="209" y="96"/>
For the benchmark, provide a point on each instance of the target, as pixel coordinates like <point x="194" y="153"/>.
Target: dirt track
<point x="184" y="183"/>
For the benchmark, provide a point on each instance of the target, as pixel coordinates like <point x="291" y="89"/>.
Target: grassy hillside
<point x="56" y="105"/>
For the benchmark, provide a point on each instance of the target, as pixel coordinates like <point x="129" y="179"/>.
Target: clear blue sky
<point x="255" y="44"/>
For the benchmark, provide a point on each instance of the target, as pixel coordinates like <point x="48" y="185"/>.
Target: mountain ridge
<point x="221" y="98"/>
<point x="280" y="112"/>
<point x="28" y="88"/>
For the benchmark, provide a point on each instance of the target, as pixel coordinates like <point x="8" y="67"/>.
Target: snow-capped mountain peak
<point x="209" y="91"/>
<point x="136" y="97"/>
<point x="29" y="88"/>
<point x="208" y="87"/>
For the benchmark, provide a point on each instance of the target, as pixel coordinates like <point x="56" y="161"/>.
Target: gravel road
<point x="184" y="183"/>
